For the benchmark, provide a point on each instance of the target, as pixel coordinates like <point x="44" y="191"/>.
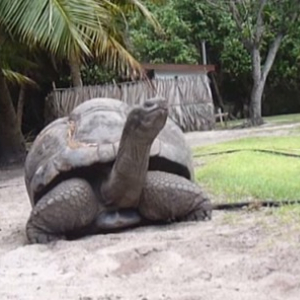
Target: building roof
<point x="178" y="67"/>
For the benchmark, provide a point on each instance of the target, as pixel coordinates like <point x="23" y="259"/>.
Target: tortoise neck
<point x="125" y="182"/>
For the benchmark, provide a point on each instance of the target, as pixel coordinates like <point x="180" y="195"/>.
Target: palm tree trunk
<point x="75" y="71"/>
<point x="12" y="145"/>
<point x="20" y="106"/>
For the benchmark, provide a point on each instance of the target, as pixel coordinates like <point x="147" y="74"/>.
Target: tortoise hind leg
<point x="69" y="206"/>
<point x="169" y="197"/>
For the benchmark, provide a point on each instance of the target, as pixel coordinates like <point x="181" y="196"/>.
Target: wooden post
<point x="220" y="115"/>
<point x="204" y="59"/>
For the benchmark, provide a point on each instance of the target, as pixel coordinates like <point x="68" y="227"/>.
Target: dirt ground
<point x="244" y="255"/>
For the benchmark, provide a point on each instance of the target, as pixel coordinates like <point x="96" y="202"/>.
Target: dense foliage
<point x="92" y="42"/>
<point x="187" y="23"/>
<point x="68" y="33"/>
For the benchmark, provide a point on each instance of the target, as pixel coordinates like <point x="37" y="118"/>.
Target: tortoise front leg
<point x="68" y="207"/>
<point x="168" y="197"/>
<point x="71" y="210"/>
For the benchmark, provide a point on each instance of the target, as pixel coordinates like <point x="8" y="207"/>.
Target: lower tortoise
<point x="108" y="167"/>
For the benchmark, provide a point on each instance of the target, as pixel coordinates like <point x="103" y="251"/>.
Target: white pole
<point x="204" y="53"/>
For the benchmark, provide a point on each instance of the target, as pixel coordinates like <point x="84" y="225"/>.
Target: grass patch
<point x="230" y="124"/>
<point x="283" y="119"/>
<point x="249" y="174"/>
<point x="288" y="213"/>
<point x="295" y="130"/>
<point x="285" y="144"/>
<point x="275" y="120"/>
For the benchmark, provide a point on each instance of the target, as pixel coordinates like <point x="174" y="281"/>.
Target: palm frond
<point x="75" y="27"/>
<point x="113" y="46"/>
<point x="130" y="6"/>
<point x="58" y="25"/>
<point x="117" y="57"/>
<point x="136" y="5"/>
<point x="18" y="78"/>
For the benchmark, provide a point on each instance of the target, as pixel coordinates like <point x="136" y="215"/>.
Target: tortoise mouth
<point x="154" y="120"/>
<point x="154" y="105"/>
<point x="158" y="110"/>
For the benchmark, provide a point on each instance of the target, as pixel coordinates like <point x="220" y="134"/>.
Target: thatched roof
<point x="189" y="98"/>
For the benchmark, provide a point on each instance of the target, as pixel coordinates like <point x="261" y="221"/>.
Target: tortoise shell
<point x="90" y="136"/>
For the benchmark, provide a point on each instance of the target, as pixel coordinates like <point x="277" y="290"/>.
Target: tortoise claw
<point x="202" y="213"/>
<point x="36" y="235"/>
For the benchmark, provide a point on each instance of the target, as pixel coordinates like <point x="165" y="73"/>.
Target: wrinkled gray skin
<point x="107" y="167"/>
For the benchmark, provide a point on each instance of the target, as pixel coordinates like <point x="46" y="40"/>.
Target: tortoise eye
<point x="149" y="104"/>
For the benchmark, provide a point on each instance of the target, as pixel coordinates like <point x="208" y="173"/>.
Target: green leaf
<point x="18" y="78"/>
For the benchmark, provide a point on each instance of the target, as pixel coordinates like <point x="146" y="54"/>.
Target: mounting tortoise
<point x="107" y="167"/>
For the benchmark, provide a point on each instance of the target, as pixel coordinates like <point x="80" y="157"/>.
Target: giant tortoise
<point x="108" y="166"/>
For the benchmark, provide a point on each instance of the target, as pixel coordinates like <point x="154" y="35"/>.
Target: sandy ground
<point x="244" y="255"/>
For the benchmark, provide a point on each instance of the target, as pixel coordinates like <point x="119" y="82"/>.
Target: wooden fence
<point x="189" y="98"/>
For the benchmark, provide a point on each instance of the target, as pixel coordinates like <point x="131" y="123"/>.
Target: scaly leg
<point x="168" y="197"/>
<point x="69" y="206"/>
<point x="70" y="210"/>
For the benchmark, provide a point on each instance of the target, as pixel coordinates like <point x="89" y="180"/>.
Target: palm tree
<point x="73" y="29"/>
<point x="11" y="139"/>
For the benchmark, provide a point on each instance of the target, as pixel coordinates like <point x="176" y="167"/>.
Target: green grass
<point x="285" y="144"/>
<point x="283" y="119"/>
<point x="248" y="174"/>
<point x="295" y="130"/>
<point x="275" y="120"/>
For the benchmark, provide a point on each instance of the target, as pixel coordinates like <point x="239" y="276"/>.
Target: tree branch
<point x="271" y="55"/>
<point x="247" y="20"/>
<point x="259" y="23"/>
<point x="236" y="15"/>
<point x="238" y="20"/>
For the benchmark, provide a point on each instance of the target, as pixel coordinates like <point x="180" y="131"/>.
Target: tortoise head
<point x="146" y="121"/>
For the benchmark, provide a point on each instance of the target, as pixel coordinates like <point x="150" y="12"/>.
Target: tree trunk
<point x="75" y="71"/>
<point x="260" y="76"/>
<point x="255" y="103"/>
<point x="12" y="145"/>
<point x="257" y="89"/>
<point x="20" y="106"/>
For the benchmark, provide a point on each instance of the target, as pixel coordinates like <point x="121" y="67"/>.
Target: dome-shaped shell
<point x="91" y="134"/>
